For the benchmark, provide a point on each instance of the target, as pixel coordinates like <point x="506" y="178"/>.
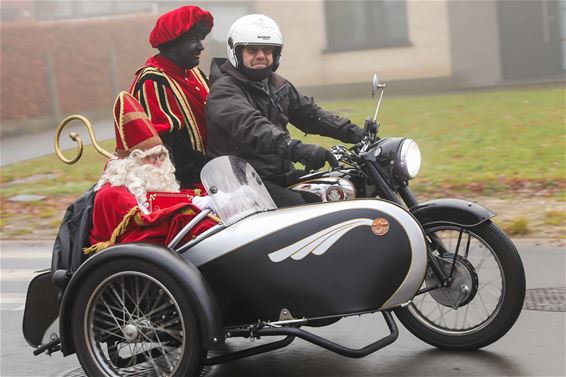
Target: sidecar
<point x="137" y="309"/>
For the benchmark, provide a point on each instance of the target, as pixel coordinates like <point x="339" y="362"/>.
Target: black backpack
<point x="72" y="237"/>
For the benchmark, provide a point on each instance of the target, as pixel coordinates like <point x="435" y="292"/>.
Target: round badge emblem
<point x="380" y="226"/>
<point x="334" y="194"/>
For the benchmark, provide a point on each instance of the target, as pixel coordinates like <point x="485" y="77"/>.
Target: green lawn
<point x="494" y="141"/>
<point x="504" y="142"/>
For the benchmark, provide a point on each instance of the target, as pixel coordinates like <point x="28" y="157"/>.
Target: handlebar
<point x="353" y="154"/>
<point x="371" y="127"/>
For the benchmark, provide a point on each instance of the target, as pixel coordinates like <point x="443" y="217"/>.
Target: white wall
<point x="306" y="64"/>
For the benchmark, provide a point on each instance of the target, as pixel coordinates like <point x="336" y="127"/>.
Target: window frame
<point x="333" y="46"/>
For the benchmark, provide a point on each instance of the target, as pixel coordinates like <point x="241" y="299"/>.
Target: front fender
<point x="184" y="272"/>
<point x="452" y="211"/>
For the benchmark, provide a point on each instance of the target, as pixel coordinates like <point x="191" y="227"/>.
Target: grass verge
<point x="504" y="143"/>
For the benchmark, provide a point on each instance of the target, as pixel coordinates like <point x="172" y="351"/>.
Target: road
<point x="24" y="147"/>
<point x="535" y="346"/>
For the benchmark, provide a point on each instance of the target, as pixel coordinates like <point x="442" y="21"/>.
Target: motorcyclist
<point x="249" y="106"/>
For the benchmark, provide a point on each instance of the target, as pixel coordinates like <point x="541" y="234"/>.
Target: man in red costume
<point x="121" y="211"/>
<point x="173" y="91"/>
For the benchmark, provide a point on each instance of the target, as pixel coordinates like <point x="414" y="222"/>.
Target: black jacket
<point x="245" y="119"/>
<point x="187" y="161"/>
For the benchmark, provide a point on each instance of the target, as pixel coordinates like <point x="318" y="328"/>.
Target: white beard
<point x="154" y="178"/>
<point x="140" y="179"/>
<point x="147" y="178"/>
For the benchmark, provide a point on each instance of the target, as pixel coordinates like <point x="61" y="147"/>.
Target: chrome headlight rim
<point x="408" y="159"/>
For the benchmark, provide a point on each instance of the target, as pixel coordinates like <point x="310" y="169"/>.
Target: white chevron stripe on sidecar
<point x="319" y="242"/>
<point x="262" y="224"/>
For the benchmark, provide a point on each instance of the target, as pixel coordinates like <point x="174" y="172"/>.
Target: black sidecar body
<point x="318" y="260"/>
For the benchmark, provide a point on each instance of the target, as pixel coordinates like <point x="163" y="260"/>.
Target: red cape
<point x="116" y="218"/>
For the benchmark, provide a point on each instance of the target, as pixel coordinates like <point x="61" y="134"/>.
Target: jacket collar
<point x="222" y="67"/>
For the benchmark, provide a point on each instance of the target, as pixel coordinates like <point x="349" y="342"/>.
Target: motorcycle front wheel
<point x="485" y="297"/>
<point x="131" y="318"/>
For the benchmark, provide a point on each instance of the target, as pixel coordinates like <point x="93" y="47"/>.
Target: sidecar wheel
<point x="131" y="319"/>
<point x="485" y="300"/>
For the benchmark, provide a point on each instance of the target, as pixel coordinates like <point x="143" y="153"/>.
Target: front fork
<point x="434" y="243"/>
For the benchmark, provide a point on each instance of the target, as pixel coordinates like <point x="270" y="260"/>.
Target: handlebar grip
<point x="370" y="126"/>
<point x="367" y="124"/>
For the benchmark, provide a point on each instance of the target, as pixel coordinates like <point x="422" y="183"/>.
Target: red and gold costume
<point x="116" y="218"/>
<point x="174" y="100"/>
<point x="174" y="97"/>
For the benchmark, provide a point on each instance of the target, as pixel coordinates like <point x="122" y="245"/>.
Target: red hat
<point x="132" y="126"/>
<point x="177" y="22"/>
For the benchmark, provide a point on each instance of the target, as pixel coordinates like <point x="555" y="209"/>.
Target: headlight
<point x="409" y="159"/>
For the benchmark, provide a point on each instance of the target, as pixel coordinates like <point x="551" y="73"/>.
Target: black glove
<point x="370" y="126"/>
<point x="351" y="134"/>
<point x="310" y="155"/>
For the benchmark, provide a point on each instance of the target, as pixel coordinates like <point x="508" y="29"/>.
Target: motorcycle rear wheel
<point x="494" y="268"/>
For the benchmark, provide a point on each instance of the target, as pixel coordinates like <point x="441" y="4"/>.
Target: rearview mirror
<point x="375" y="85"/>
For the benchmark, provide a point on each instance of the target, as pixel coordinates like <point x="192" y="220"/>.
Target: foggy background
<point x="65" y="57"/>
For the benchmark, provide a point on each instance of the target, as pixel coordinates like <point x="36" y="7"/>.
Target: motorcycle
<point x="442" y="267"/>
<point x="455" y="229"/>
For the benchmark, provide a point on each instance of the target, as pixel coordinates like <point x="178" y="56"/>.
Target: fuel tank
<point x="314" y="260"/>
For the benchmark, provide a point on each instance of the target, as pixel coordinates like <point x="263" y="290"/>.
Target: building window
<point x="359" y="25"/>
<point x="225" y="13"/>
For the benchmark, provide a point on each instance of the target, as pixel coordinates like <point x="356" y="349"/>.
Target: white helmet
<point x="254" y="29"/>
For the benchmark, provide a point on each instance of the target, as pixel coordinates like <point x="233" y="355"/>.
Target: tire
<point x="487" y="305"/>
<point x="130" y="318"/>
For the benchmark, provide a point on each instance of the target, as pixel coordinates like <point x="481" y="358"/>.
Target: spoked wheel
<point x="485" y="296"/>
<point x="132" y="319"/>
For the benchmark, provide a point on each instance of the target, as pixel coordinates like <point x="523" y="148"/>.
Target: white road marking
<point x="15" y="254"/>
<point x="12" y="298"/>
<point x="10" y="254"/>
<point x="12" y="301"/>
<point x="17" y="274"/>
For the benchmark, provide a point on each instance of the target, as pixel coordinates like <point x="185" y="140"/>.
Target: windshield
<point x="235" y="188"/>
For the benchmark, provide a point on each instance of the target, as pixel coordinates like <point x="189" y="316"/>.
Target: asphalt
<point x="535" y="346"/>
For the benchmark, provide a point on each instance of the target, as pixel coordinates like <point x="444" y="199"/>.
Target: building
<point x="60" y="57"/>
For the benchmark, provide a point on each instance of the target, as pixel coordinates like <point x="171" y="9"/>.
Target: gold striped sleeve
<point x="200" y="77"/>
<point x="163" y="106"/>
<point x="197" y="142"/>
<point x="142" y="97"/>
<point x="196" y="138"/>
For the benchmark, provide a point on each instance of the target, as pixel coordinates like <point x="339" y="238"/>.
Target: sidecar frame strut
<point x="292" y="332"/>
<point x="249" y="351"/>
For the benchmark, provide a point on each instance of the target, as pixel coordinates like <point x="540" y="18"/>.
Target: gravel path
<point x="543" y="217"/>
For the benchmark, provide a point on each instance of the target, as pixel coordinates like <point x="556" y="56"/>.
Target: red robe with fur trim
<point x="116" y="218"/>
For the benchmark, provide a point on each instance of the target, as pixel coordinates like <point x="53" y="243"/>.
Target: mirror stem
<point x="378" y="104"/>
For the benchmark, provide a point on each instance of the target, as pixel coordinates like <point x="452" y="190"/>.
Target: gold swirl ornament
<point x="77" y="139"/>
